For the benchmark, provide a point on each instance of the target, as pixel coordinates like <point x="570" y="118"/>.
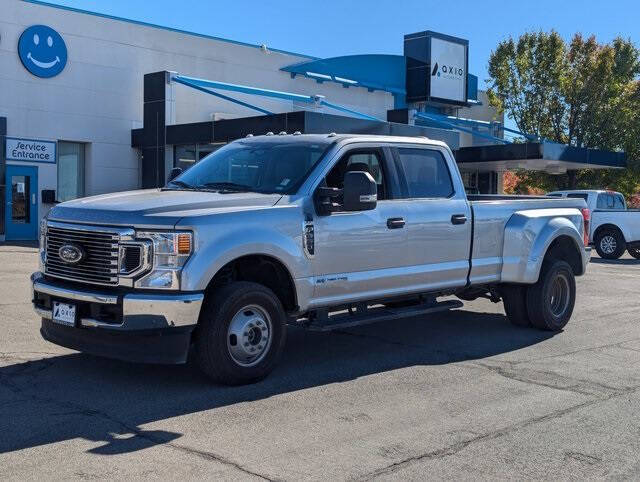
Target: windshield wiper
<point x="227" y="186"/>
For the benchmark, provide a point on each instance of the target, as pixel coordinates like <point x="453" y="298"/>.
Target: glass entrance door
<point x="21" y="203"/>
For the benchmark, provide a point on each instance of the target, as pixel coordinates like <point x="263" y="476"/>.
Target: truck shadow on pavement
<point x="626" y="261"/>
<point x="64" y="397"/>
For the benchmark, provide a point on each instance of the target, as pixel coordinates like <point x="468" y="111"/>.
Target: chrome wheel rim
<point x="249" y="335"/>
<point x="560" y="295"/>
<point x="608" y="244"/>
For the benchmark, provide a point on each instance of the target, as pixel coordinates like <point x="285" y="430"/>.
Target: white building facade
<point x="77" y="103"/>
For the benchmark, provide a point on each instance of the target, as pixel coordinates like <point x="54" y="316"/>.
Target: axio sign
<point x="30" y="150"/>
<point x="448" y="70"/>
<point x="42" y="51"/>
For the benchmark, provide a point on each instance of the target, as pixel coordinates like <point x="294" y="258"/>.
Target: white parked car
<point x="614" y="228"/>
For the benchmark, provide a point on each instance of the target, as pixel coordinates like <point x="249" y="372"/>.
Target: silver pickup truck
<point x="320" y="231"/>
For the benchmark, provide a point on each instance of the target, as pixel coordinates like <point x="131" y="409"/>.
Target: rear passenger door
<point x="438" y="217"/>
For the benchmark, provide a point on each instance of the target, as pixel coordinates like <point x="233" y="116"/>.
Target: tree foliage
<point x="583" y="93"/>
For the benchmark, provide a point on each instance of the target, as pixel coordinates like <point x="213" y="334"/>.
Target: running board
<point x="374" y="315"/>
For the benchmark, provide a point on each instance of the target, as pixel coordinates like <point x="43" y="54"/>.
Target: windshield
<point x="265" y="167"/>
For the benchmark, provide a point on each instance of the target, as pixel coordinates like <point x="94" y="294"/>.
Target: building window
<point x="185" y="156"/>
<point x="70" y="170"/>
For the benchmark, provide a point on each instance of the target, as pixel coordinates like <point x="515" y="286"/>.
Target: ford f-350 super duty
<point x="321" y="231"/>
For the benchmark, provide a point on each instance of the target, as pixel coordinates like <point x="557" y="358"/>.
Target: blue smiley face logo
<point x="42" y="51"/>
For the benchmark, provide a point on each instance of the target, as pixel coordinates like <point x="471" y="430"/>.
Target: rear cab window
<point x="579" y="195"/>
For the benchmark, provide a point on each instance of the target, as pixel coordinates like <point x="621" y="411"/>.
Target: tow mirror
<point x="175" y="172"/>
<point x="360" y="192"/>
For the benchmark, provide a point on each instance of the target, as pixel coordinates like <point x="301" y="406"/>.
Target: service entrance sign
<point x="448" y="70"/>
<point x="30" y="150"/>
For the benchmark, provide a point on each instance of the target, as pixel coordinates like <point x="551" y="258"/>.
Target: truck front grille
<point x="99" y="263"/>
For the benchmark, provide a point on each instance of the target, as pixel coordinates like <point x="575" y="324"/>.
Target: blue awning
<point x="373" y="71"/>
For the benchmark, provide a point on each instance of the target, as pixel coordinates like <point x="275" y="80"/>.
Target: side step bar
<point x="365" y="315"/>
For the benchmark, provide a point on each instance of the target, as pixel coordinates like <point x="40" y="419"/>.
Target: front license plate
<point x="64" y="313"/>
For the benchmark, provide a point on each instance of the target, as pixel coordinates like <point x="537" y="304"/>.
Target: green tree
<point x="584" y="94"/>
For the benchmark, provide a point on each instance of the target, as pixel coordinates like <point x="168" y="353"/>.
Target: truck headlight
<point x="171" y="250"/>
<point x="42" y="251"/>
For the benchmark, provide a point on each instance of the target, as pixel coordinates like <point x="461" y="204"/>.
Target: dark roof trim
<point x="542" y="150"/>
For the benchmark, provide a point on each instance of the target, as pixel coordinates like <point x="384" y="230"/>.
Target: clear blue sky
<point x="327" y="28"/>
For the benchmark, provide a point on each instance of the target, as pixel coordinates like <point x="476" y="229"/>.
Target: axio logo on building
<point x="448" y="77"/>
<point x="42" y="51"/>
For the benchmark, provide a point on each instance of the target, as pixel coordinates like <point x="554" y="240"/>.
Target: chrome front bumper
<point x="140" y="311"/>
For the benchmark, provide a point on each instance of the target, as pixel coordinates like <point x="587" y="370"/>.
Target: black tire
<point x="551" y="300"/>
<point x="610" y="244"/>
<point x="214" y="343"/>
<point x="514" y="299"/>
<point x="635" y="252"/>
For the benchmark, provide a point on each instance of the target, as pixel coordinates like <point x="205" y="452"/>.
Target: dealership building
<point x="92" y="104"/>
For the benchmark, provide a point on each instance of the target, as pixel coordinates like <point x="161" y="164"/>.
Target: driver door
<point x="361" y="254"/>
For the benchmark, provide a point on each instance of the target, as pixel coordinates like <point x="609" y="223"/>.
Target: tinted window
<point x="360" y="160"/>
<point x="610" y="201"/>
<point x="603" y="201"/>
<point x="579" y="195"/>
<point x="426" y="173"/>
<point x="554" y="194"/>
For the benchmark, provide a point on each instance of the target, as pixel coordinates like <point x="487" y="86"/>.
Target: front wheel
<point x="635" y="252"/>
<point x="610" y="244"/>
<point x="551" y="300"/>
<point x="241" y="333"/>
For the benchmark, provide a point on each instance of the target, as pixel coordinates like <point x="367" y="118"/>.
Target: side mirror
<point x="360" y="192"/>
<point x="175" y="172"/>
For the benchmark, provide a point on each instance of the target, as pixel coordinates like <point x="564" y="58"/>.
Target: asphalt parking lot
<point x="461" y="395"/>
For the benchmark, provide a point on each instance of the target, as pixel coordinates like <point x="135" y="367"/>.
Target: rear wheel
<point x="635" y="252"/>
<point x="610" y="244"/>
<point x="241" y="333"/>
<point x="551" y="300"/>
<point x="514" y="299"/>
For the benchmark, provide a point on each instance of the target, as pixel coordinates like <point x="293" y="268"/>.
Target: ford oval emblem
<point x="71" y="253"/>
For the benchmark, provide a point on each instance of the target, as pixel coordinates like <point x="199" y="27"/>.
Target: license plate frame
<point x="64" y="313"/>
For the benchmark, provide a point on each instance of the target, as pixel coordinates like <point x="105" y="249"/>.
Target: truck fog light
<point x="160" y="280"/>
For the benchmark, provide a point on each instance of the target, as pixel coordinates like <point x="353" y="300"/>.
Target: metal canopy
<point x="538" y="156"/>
<point x="375" y="71"/>
<point x="204" y="85"/>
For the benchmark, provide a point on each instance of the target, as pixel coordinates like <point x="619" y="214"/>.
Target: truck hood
<point x="155" y="207"/>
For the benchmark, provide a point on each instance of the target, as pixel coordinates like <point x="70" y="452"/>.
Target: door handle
<point x="458" y="219"/>
<point x="395" y="223"/>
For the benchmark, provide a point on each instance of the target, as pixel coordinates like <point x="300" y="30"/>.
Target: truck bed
<point x="491" y="213"/>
